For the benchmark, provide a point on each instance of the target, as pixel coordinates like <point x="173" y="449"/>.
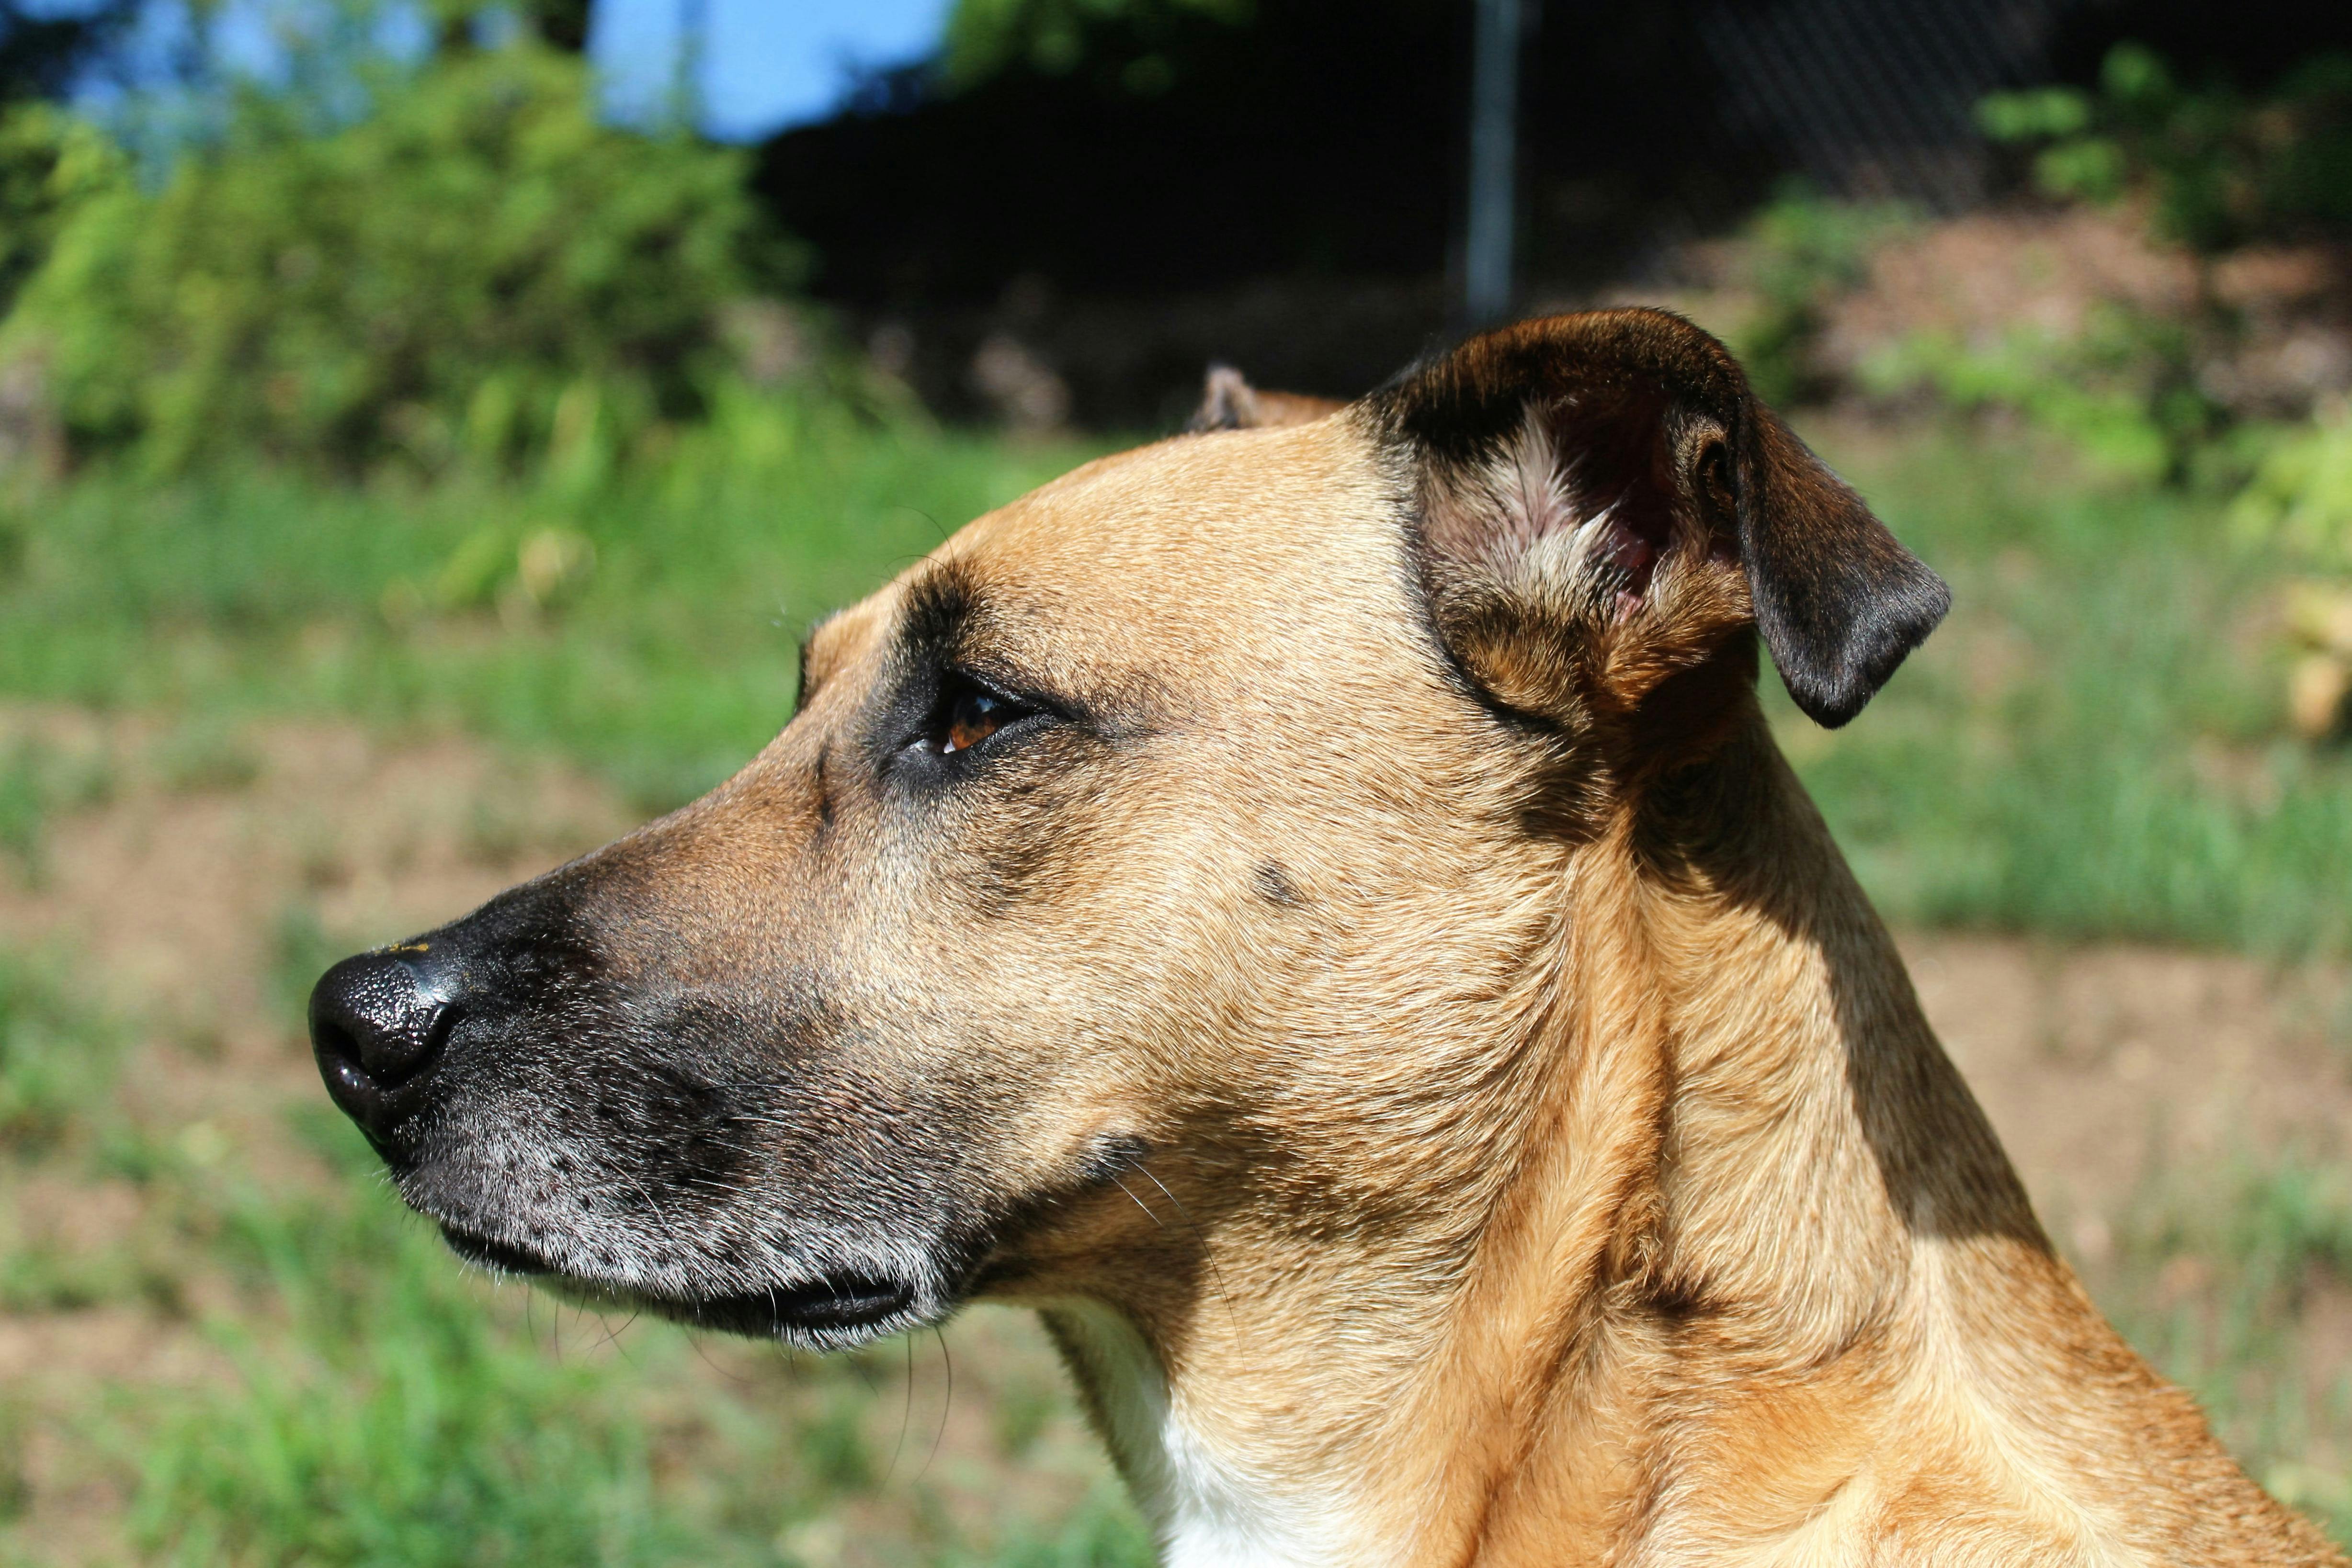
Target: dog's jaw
<point x="1209" y="1505"/>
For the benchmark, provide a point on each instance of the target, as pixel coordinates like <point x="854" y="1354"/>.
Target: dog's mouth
<point x="847" y="1303"/>
<point x="475" y="1248"/>
<point x="840" y="1304"/>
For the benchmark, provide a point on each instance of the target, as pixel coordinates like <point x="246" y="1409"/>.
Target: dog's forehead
<point x="1201" y="543"/>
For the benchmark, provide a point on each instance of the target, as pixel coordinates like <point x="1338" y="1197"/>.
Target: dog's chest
<point x="1209" y="1507"/>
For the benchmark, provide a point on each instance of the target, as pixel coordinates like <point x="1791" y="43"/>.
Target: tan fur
<point x="1546" y="1158"/>
<point x="1547" y="1201"/>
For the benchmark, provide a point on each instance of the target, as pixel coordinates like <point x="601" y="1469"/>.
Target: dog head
<point x="1161" y="857"/>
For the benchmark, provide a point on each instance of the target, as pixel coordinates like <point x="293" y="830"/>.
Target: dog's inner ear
<point x="1604" y="506"/>
<point x="1229" y="402"/>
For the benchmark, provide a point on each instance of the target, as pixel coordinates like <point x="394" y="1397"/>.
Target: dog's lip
<point x="840" y="1303"/>
<point x="491" y="1253"/>
<point x="846" y="1303"/>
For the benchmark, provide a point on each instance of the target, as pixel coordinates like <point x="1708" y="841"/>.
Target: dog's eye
<point x="969" y="714"/>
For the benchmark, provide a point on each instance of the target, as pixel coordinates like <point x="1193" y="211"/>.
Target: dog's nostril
<point x="377" y="1022"/>
<point x="334" y="1047"/>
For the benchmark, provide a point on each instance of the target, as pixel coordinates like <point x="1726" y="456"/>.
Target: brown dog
<point x="1316" y="910"/>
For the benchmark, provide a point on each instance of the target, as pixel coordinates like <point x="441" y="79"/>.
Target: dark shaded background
<point x="1287" y="193"/>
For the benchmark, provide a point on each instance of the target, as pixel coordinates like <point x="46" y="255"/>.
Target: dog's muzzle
<point x="378" y="1023"/>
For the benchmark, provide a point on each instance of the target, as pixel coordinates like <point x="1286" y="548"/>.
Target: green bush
<point x="2216" y="167"/>
<point x="2123" y="391"/>
<point x="49" y="160"/>
<point x="2300" y="499"/>
<point x="1057" y="37"/>
<point x="1796" y="254"/>
<point x="475" y="268"/>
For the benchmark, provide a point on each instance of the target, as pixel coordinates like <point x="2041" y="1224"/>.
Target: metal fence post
<point x="1494" y="160"/>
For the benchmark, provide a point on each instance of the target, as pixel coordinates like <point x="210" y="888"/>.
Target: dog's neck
<point x="1755" y="1229"/>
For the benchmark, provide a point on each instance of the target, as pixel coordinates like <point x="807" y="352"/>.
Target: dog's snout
<point x="376" y="1023"/>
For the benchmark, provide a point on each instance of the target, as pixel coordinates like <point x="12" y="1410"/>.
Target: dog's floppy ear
<point x="1229" y="402"/>
<point x="1604" y="502"/>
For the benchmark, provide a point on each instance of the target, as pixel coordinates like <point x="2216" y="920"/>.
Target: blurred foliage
<point x="2216" y="167"/>
<point x="640" y="616"/>
<point x="50" y="161"/>
<point x="2215" y="1275"/>
<point x="475" y="269"/>
<point x="38" y="781"/>
<point x="458" y="25"/>
<point x="2297" y="511"/>
<point x="2124" y="390"/>
<point x="1797" y="252"/>
<point x="2094" y="746"/>
<point x="2300" y="498"/>
<point x="1056" y="37"/>
<point x="413" y="1432"/>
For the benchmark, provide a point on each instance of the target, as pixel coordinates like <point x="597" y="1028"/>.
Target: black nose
<point x="376" y="1023"/>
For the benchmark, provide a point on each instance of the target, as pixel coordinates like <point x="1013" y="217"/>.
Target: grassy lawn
<point x="2093" y="748"/>
<point x="2095" y="745"/>
<point x="662" y="655"/>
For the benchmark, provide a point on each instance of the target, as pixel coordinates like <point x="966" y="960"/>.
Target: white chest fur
<point x="1210" y="1506"/>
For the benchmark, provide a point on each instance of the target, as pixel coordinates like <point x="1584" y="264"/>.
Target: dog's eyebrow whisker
<point x="1138" y="1202"/>
<point x="1208" y="1252"/>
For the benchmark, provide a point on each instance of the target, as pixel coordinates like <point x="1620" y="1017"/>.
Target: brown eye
<point x="969" y="713"/>
<point x="973" y="717"/>
<point x="965" y="714"/>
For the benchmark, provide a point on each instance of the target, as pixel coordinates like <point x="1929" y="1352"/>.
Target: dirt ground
<point x="185" y="889"/>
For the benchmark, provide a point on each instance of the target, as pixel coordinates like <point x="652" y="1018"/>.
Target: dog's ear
<point x="1229" y="402"/>
<point x="1602" y="503"/>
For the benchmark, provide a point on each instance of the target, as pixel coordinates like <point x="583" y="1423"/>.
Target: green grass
<point x="2214" y="1276"/>
<point x="379" y="1416"/>
<point x="38" y="781"/>
<point x="372" y="1403"/>
<point x="2095" y="745"/>
<point x="58" y="1057"/>
<point x="384" y="1408"/>
<point x="662" y="655"/>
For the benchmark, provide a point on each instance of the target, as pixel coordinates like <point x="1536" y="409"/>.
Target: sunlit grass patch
<point x="2094" y="746"/>
<point x="657" y="643"/>
<point x="386" y="1409"/>
<point x="58" y="1055"/>
<point x="1104" y="1533"/>
<point x="39" y="780"/>
<point x="385" y="1405"/>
